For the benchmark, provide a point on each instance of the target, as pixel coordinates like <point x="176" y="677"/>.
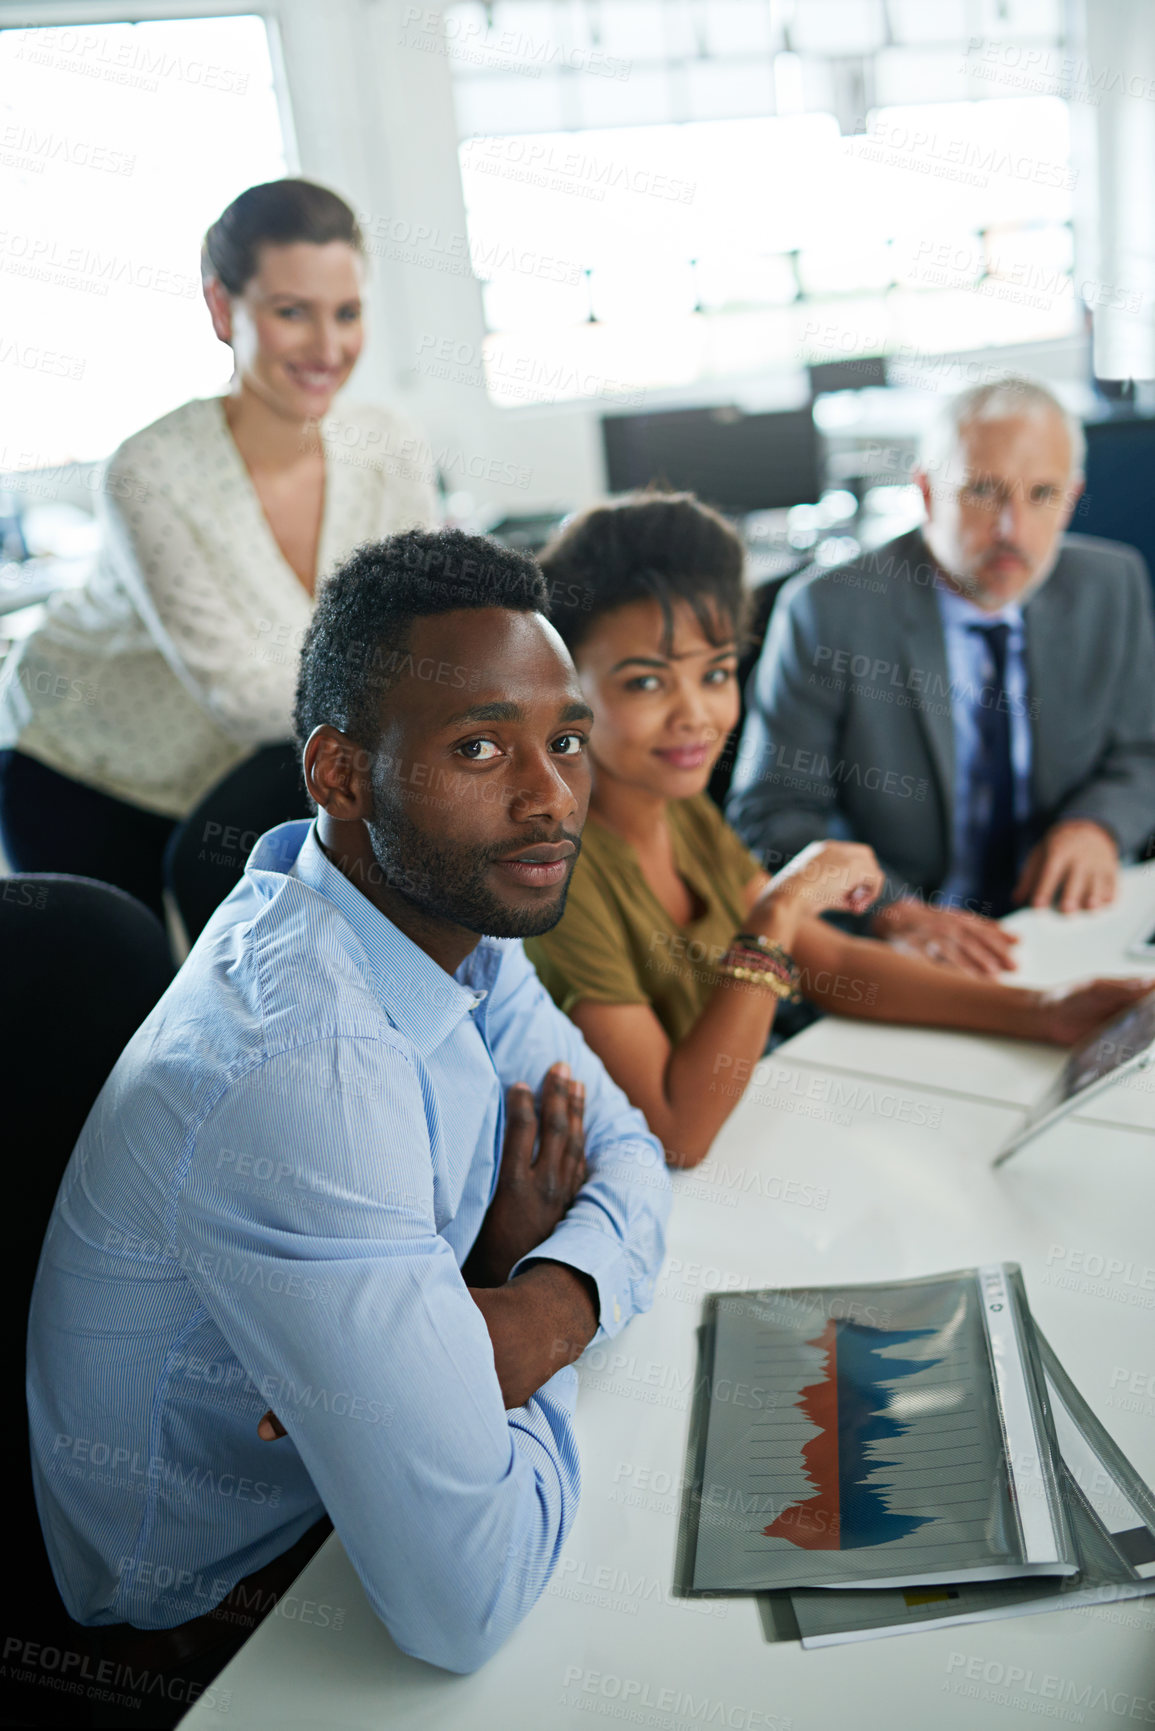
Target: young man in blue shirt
<point x="309" y="1184"/>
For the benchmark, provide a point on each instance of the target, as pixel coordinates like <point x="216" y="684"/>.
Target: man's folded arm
<point x="615" y="1230"/>
<point x="335" y="1279"/>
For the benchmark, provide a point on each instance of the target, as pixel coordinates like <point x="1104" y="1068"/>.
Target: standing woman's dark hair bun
<point x="276" y="213"/>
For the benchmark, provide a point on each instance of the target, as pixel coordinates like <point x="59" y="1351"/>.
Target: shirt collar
<point x="421" y="1000"/>
<point x="958" y="611"/>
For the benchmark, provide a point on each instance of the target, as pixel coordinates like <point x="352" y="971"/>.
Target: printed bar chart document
<point x="890" y="1435"/>
<point x="1112" y="1519"/>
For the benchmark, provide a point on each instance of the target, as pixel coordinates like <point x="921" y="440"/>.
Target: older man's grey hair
<point x="1000" y="399"/>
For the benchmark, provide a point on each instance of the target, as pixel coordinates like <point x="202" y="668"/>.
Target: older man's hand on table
<point x="950" y="936"/>
<point x="1076" y="861"/>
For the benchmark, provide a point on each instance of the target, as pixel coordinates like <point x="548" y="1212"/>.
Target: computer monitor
<point x="732" y="460"/>
<point x="528" y="531"/>
<point x="1116" y="500"/>
<point x="864" y="373"/>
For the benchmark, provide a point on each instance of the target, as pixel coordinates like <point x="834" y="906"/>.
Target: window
<point x="785" y="199"/>
<point x="119" y="144"/>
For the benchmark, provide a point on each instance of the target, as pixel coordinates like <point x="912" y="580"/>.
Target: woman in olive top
<point x="676" y="947"/>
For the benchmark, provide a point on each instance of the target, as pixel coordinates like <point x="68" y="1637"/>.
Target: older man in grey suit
<point x="976" y="699"/>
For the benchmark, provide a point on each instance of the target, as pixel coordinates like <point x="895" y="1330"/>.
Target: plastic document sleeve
<point x="1112" y="1514"/>
<point x="890" y="1435"/>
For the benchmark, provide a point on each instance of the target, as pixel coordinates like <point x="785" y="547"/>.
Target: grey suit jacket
<point x="849" y="728"/>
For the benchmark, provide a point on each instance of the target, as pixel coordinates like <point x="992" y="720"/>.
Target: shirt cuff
<point x="602" y="1258"/>
<point x="1088" y="814"/>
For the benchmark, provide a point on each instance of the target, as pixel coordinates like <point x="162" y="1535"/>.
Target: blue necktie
<point x="998" y="853"/>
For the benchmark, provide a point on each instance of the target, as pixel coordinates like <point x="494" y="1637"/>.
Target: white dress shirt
<point x="179" y="655"/>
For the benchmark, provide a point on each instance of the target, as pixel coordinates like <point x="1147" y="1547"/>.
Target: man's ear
<point x="921" y="480"/>
<point x="219" y="303"/>
<point x="1071" y="498"/>
<point x="338" y="775"/>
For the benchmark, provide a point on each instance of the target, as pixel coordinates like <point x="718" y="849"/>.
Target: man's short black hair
<point x="357" y="642"/>
<point x="647" y="546"/>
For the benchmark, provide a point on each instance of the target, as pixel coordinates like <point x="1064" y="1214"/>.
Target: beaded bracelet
<point x="783" y="962"/>
<point x="767" y="965"/>
<point x="756" y="977"/>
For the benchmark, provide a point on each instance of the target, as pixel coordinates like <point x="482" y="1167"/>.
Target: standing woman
<point x="179" y="656"/>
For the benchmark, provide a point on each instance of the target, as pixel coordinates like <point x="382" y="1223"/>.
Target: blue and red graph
<point x="849" y="1406"/>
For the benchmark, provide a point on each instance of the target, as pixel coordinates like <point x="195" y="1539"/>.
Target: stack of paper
<point x="892" y="1456"/>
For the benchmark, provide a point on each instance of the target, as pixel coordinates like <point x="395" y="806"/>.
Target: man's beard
<point x="448" y="882"/>
<point x="971" y="584"/>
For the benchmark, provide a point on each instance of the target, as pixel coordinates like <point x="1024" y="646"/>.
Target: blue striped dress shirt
<point x="268" y="1207"/>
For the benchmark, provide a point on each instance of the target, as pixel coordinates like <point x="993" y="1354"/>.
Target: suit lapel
<point x="925" y="649"/>
<point x="1047" y="646"/>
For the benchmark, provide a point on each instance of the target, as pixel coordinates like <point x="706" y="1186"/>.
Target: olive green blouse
<point x="616" y="944"/>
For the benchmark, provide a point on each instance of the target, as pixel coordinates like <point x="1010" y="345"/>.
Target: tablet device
<point x="1126" y="1042"/>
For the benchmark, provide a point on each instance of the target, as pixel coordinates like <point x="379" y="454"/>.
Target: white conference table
<point x="815" y="1179"/>
<point x="1053" y="949"/>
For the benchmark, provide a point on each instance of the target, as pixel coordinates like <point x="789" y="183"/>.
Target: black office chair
<point x="207" y="853"/>
<point x="83" y="964"/>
